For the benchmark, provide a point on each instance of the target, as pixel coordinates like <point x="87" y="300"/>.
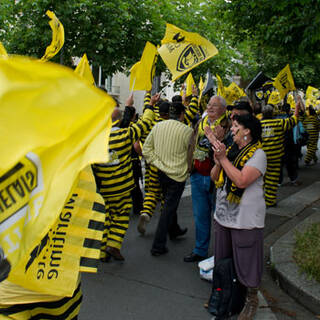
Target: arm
<point x="193" y="108"/>
<point x="145" y="123"/>
<point x="148" y="149"/>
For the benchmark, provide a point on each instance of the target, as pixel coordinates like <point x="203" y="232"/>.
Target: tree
<point x="277" y="33"/>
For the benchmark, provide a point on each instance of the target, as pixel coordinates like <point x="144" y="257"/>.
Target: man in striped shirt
<point x="166" y="148"/>
<point x="115" y="178"/>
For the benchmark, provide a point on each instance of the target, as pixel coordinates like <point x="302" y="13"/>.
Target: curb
<point x="306" y="291"/>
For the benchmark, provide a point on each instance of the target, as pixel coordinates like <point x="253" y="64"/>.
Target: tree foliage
<point x="112" y="33"/>
<point x="277" y="32"/>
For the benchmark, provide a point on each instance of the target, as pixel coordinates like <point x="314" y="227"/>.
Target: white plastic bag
<point x="206" y="268"/>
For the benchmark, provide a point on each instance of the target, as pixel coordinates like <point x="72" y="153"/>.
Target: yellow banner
<point x="274" y="98"/>
<point x="83" y="69"/>
<point x="181" y="51"/>
<point x="70" y="246"/>
<point x="284" y="81"/>
<point x="3" y="52"/>
<point x="142" y="72"/>
<point x="55" y="125"/>
<point x="57" y="37"/>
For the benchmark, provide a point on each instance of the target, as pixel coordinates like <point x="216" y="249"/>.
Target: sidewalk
<point x="164" y="288"/>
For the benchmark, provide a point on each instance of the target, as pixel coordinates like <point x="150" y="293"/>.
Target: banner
<point x="142" y="72"/>
<point x="181" y="51"/>
<point x="83" y="69"/>
<point x="55" y="125"/>
<point x="3" y="52"/>
<point x="57" y="37"/>
<point x="284" y="81"/>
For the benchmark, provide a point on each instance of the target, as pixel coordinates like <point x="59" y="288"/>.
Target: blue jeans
<point x="203" y="203"/>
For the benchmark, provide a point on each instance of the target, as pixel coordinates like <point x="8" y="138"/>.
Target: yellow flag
<point x="181" y="51"/>
<point x="284" y="81"/>
<point x="84" y="70"/>
<point x="70" y="246"/>
<point x="233" y="92"/>
<point x="142" y="72"/>
<point x="57" y="37"/>
<point x="291" y="101"/>
<point x="189" y="83"/>
<point x="312" y="93"/>
<point x="3" y="52"/>
<point x="274" y="98"/>
<point x="221" y="89"/>
<point x="201" y="88"/>
<point x="55" y="125"/>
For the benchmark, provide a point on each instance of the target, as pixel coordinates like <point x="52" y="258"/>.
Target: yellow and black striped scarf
<point x="234" y="193"/>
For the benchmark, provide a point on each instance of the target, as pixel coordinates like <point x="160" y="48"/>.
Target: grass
<point x="306" y="251"/>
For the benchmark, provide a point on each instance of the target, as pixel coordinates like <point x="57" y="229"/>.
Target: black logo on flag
<point x="190" y="56"/>
<point x="178" y="38"/>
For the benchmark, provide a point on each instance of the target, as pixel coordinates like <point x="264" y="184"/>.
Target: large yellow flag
<point x="57" y="37"/>
<point x="54" y="125"/>
<point x="3" y="52"/>
<point x="181" y="51"/>
<point x="84" y="70"/>
<point x="142" y="72"/>
<point x="72" y="244"/>
<point x="284" y="81"/>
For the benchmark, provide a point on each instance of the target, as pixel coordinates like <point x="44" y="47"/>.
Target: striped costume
<point x="115" y="179"/>
<point x="273" y="132"/>
<point x="152" y="184"/>
<point x="312" y="126"/>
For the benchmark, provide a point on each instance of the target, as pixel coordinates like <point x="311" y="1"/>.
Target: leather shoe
<point x="159" y="252"/>
<point x="193" y="257"/>
<point x="180" y="233"/>
<point x="115" y="253"/>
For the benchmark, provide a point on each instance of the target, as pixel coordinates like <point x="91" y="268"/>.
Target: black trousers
<point x="168" y="222"/>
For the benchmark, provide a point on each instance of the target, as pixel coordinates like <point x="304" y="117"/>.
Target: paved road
<point x="165" y="287"/>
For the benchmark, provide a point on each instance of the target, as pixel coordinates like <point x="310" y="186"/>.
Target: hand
<point x="209" y="134"/>
<point x="219" y="132"/>
<point x="194" y="90"/>
<point x="219" y="150"/>
<point x="216" y="160"/>
<point x="129" y="101"/>
<point x="154" y="99"/>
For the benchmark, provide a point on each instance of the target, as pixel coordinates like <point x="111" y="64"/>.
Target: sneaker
<point x="143" y="220"/>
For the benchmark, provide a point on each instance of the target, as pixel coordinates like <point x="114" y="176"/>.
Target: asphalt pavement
<point x="165" y="287"/>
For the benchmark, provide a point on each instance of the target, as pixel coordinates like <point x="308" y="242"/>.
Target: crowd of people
<point x="234" y="156"/>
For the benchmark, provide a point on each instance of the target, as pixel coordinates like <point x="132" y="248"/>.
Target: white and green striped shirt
<point x="166" y="148"/>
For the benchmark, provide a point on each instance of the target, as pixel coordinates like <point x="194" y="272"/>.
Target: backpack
<point x="228" y="294"/>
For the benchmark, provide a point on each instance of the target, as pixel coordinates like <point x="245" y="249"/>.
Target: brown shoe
<point x="115" y="253"/>
<point x="250" y="308"/>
